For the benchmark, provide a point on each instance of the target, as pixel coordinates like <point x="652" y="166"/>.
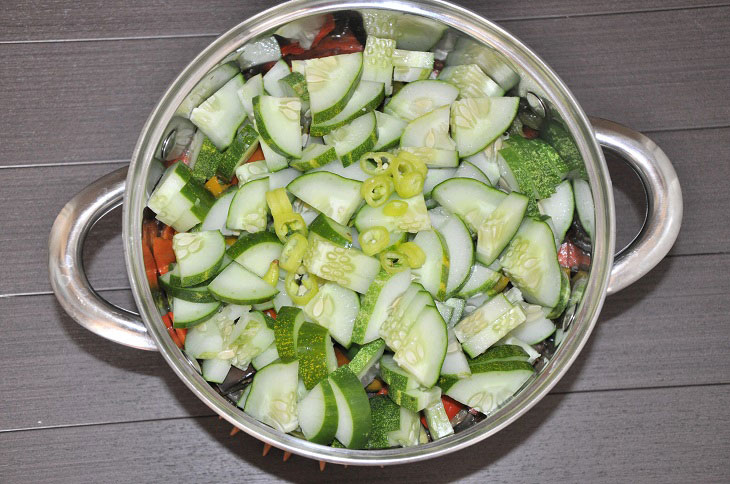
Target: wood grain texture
<point x="635" y="345"/>
<point x="623" y="436"/>
<point x="623" y="67"/>
<point x="63" y="19"/>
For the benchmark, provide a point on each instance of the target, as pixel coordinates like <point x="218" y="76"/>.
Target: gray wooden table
<point x="646" y="401"/>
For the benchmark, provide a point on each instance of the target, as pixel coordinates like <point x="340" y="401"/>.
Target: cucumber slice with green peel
<point x="531" y="166"/>
<point x="486" y="314"/>
<point x="459" y="246"/>
<point x="396" y="309"/>
<point x="256" y="251"/>
<point x="439" y="425"/>
<point x="559" y="138"/>
<point x="458" y="304"/>
<point x="560" y="207"/>
<point x="411" y="74"/>
<point x="251" y="171"/>
<point x="254" y="338"/>
<point x="353" y="408"/>
<point x="377" y="63"/>
<point x="244" y="396"/>
<point x="420" y="97"/>
<point x="366" y="358"/>
<point x="497" y="353"/>
<point x="282" y="178"/>
<point x="469" y="51"/>
<point x="335" y="308"/>
<point x="396" y="377"/>
<point x="278" y="71"/>
<point x="314" y="156"/>
<point x="331" y="194"/>
<point x="395" y="330"/>
<point x="206" y="163"/>
<point x="248" y="210"/>
<point x="269" y="355"/>
<point x="199" y="255"/>
<point x="312" y="344"/>
<point x="351" y="172"/>
<point x="511" y="340"/>
<point x="187" y="314"/>
<point x="477" y="122"/>
<point x="486" y="161"/>
<point x="493" y="332"/>
<point x="584" y="206"/>
<point x="480" y="280"/>
<point x="429" y="131"/>
<point x="209" y="84"/>
<point x="444" y="310"/>
<point x="192" y="204"/>
<point x="252" y="88"/>
<point x="318" y="414"/>
<point x="218" y="214"/>
<point x="410" y="32"/>
<point x="414" y="220"/>
<point x="237" y="285"/>
<point x="197" y="294"/>
<point x="564" y="298"/>
<point x="298" y="66"/>
<point x="499" y="227"/>
<point x="173" y="179"/>
<point x="455" y="363"/>
<point x="410" y="58"/>
<point x="385" y="420"/>
<point x="416" y="399"/>
<point x="424" y="349"/>
<point x="469" y="199"/>
<point x="471" y="81"/>
<point x="354" y="139"/>
<point x="221" y="114"/>
<point x="277" y="120"/>
<point x="274" y="161"/>
<point x="331" y="81"/>
<point x="366" y="98"/>
<point x="326" y="228"/>
<point x="286" y="330"/>
<point x="434" y="157"/>
<point x="434" y="272"/>
<point x="257" y="52"/>
<point x="204" y="341"/>
<point x="486" y="391"/>
<point x="282" y="299"/>
<point x="215" y="370"/>
<point x="390" y="128"/>
<point x="294" y="84"/>
<point x="349" y="268"/>
<point x="240" y="150"/>
<point x="376" y="302"/>
<point x="434" y="176"/>
<point x="530" y="261"/>
<point x="469" y="170"/>
<point x="534" y="331"/>
<point x="273" y="397"/>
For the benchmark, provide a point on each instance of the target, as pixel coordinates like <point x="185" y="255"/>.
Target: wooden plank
<point x="653" y="71"/>
<point x="664" y="435"/>
<point x="58" y="373"/>
<point x="61" y="19"/>
<point x="635" y="345"/>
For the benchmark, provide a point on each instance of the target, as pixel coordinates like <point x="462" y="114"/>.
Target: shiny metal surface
<point x="664" y="197"/>
<point x="537" y="77"/>
<point x="66" y="269"/>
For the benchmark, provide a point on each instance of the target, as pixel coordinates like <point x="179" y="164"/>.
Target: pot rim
<point x="528" y="64"/>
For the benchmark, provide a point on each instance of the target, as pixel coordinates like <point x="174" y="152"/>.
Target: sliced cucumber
<point x="218" y="213"/>
<point x="209" y="84"/>
<point x="237" y="285"/>
<point x="414" y="220"/>
<point x="497" y="353"/>
<point x="536" y="328"/>
<point x="273" y="397"/>
<point x="395" y="330"/>
<point x="564" y="299"/>
<point x="469" y="199"/>
<point x="458" y="304"/>
<point x="531" y="263"/>
<point x="282" y="178"/>
<point x="500" y="226"/>
<point x="197" y="294"/>
<point x="253" y="87"/>
<point x="314" y="156"/>
<point x="206" y="163"/>
<point x="248" y="209"/>
<point x="366" y="98"/>
<point x="256" y="251"/>
<point x="494" y="331"/>
<point x="199" y="255"/>
<point x="366" y="358"/>
<point x="215" y="370"/>
<point x="389" y="129"/>
<point x="240" y="150"/>
<point x="511" y="340"/>
<point x="286" y="331"/>
<point x="277" y="120"/>
<point x="436" y="176"/>
<point x="254" y="338"/>
<point x="560" y="208"/>
<point x="477" y="122"/>
<point x="269" y="355"/>
<point x="444" y="310"/>
<point x="468" y="170"/>
<point x="410" y="58"/>
<point x="187" y="314"/>
<point x="584" y="206"/>
<point x="439" y="425"/>
<point x="278" y="71"/>
<point x="482" y="317"/>
<point x="423" y="351"/>
<point x="354" y="139"/>
<point x="459" y="246"/>
<point x="487" y="161"/>
<point x="531" y="166"/>
<point x="334" y="196"/>
<point x="377" y="62"/>
<point x="258" y="52"/>
<point x="418" y="98"/>
<point x="251" y="171"/>
<point x="349" y="268"/>
<point x="326" y="228"/>
<point x="559" y="138"/>
<point x="409" y="31"/>
<point x="221" y="114"/>
<point x="331" y="81"/>
<point x="411" y="74"/>
<point x="469" y="51"/>
<point x="480" y="280"/>
<point x="396" y="377"/>
<point x="385" y="420"/>
<point x="318" y="414"/>
<point x="353" y="408"/>
<point x="416" y="399"/>
<point x="455" y="363"/>
<point x="204" y="341"/>
<point x="294" y="84"/>
<point x="429" y="131"/>
<point x="335" y="308"/>
<point x="375" y="303"/>
<point x="274" y="161"/>
<point x="313" y="346"/>
<point x="434" y="272"/>
<point x="471" y="81"/>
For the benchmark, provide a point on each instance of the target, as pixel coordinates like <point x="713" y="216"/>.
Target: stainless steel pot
<point x="130" y="187"/>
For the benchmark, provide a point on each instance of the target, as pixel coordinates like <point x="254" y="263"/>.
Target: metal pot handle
<point x="66" y="268"/>
<point x="664" y="199"/>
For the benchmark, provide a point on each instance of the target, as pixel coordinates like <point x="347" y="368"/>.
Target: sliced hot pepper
<point x="395" y="208"/>
<point x="300" y="288"/>
<point x="272" y="274"/>
<point x="413" y="253"/>
<point x="290" y="223"/>
<point x="376" y="163"/>
<point x="393" y="261"/>
<point x="374" y="240"/>
<point x="278" y="202"/>
<point x="409" y="185"/>
<point x="376" y="190"/>
<point x="293" y="252"/>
